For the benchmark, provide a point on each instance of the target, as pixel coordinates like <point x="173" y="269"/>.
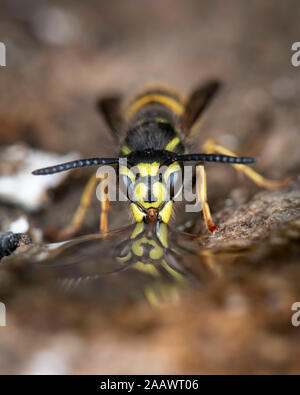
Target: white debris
<point x="20" y="225"/>
<point x="54" y="25"/>
<point x="48" y="362"/>
<point x="56" y="357"/>
<point x="19" y="186"/>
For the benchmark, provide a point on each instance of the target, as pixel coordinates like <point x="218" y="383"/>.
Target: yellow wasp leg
<point x="105" y="204"/>
<point x="211" y="146"/>
<point x="202" y="196"/>
<point x="79" y="215"/>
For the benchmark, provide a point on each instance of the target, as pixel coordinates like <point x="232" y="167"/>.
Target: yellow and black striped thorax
<point x="152" y="117"/>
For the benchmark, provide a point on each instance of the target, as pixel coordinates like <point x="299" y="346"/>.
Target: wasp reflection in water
<point x="151" y="257"/>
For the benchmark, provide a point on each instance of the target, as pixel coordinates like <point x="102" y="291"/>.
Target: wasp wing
<point x="196" y="104"/>
<point x="110" y="108"/>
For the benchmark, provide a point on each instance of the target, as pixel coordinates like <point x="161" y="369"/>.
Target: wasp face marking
<point x="151" y="190"/>
<point x="148" y="197"/>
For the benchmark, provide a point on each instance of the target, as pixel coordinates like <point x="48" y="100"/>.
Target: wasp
<point x="152" y="129"/>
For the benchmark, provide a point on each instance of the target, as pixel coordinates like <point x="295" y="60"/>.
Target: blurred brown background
<point x="61" y="57"/>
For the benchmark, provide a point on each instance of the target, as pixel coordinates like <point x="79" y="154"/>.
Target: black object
<point x="10" y="241"/>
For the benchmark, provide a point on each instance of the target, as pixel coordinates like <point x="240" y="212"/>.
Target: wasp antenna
<point x="76" y="164"/>
<point x="241" y="160"/>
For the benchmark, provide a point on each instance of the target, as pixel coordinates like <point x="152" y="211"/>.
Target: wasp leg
<point x="79" y="215"/>
<point x="211" y="146"/>
<point x="105" y="204"/>
<point x="202" y="196"/>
